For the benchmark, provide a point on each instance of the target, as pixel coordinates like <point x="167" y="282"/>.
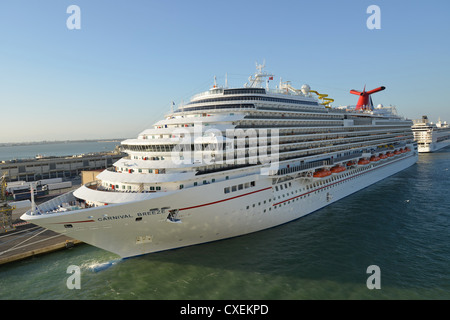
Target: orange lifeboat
<point x="390" y="154"/>
<point x="350" y="163"/>
<point x="374" y="158"/>
<point x="407" y="149"/>
<point x="363" y="161"/>
<point x="383" y="156"/>
<point x="321" y="173"/>
<point x="337" y="169"/>
<point x="397" y="152"/>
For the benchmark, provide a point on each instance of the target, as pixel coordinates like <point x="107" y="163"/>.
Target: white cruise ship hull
<point x="434" y="146"/>
<point x="207" y="214"/>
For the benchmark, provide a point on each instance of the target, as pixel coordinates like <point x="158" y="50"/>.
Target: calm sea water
<point x="55" y="149"/>
<point x="401" y="224"/>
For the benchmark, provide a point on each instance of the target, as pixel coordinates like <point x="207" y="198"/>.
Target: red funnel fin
<point x="364" y="98"/>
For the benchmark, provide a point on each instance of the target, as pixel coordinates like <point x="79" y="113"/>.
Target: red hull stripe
<point x="211" y="203"/>
<point x="246" y="194"/>
<point x="201" y="205"/>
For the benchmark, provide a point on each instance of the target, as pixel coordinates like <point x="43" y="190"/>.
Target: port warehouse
<point x="56" y="167"/>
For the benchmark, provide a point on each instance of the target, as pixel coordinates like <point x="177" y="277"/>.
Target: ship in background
<point x="230" y="162"/>
<point x="431" y="136"/>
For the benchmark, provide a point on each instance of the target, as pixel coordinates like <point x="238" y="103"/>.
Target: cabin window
<point x="226" y="190"/>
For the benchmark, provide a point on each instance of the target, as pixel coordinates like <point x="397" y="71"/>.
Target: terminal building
<point x="56" y="167"/>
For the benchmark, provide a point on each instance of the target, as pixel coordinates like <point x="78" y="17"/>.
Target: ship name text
<point x="128" y="216"/>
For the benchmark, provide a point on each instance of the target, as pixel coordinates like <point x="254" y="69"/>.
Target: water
<point x="400" y="224"/>
<point x="55" y="149"/>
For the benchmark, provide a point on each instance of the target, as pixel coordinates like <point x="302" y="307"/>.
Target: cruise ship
<point x="430" y="136"/>
<point x="232" y="161"/>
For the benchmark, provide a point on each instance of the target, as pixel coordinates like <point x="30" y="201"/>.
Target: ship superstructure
<point x="230" y="162"/>
<point x="431" y="136"/>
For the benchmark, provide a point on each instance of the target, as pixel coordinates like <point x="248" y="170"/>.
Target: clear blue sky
<point x="118" y="74"/>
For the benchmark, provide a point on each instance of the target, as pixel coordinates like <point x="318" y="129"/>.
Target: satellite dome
<point x="305" y="89"/>
<point x="379" y="106"/>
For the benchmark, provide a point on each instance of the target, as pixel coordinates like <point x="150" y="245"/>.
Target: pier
<point x="28" y="240"/>
<point x="21" y="240"/>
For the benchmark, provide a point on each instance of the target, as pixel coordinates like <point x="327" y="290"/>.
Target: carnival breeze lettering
<point x="127" y="216"/>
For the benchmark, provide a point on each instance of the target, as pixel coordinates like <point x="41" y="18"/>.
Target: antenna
<point x="33" y="204"/>
<point x="226" y="80"/>
<point x="260" y="67"/>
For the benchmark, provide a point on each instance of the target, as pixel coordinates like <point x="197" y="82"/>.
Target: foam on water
<point x="97" y="266"/>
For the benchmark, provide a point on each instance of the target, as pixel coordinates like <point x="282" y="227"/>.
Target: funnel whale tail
<point x="365" y="100"/>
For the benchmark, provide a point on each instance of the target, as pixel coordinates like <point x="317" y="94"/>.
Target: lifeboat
<point x="363" y="162"/>
<point x="337" y="169"/>
<point x="350" y="163"/>
<point x="383" y="156"/>
<point x="321" y="173"/>
<point x="390" y="154"/>
<point x="397" y="152"/>
<point x="407" y="149"/>
<point x="374" y="158"/>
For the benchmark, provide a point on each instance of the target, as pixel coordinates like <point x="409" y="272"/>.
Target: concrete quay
<point x="28" y="240"/>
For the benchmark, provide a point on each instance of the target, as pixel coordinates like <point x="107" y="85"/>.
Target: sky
<point x="118" y="74"/>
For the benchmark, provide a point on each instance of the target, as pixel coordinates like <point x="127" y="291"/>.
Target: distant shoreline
<point x="30" y="143"/>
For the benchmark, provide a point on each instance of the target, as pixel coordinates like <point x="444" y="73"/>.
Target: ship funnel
<point x="365" y="100"/>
